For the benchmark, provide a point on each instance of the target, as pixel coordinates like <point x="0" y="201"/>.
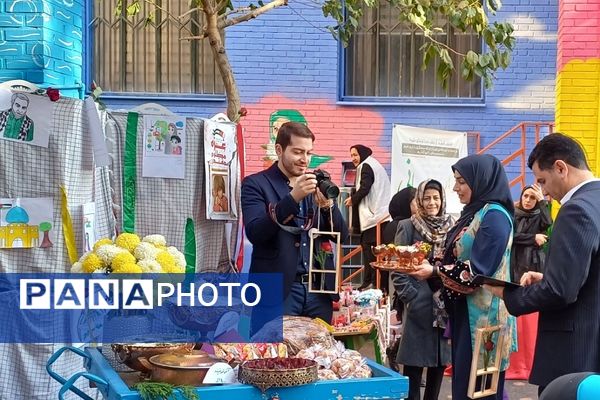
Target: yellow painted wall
<point x="578" y="105"/>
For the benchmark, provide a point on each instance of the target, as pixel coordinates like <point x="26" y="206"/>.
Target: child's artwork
<point x="26" y="222"/>
<point x="25" y="117"/>
<point x="220" y="149"/>
<point x="164" y="147"/>
<point x="89" y="230"/>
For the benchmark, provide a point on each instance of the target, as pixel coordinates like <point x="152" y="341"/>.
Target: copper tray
<point x="393" y="266"/>
<point x="264" y="378"/>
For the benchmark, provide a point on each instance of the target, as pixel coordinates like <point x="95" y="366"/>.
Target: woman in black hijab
<point x="400" y="208"/>
<point x="532" y="220"/>
<point x="479" y="243"/>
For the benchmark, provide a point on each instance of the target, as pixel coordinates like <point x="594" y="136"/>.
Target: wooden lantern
<point x="484" y="381"/>
<point x="318" y="274"/>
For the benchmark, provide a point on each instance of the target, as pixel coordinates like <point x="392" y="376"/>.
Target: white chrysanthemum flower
<point x="177" y="255"/>
<point x="157" y="240"/>
<point x="108" y="251"/>
<point x="77" y="267"/>
<point x="101" y="271"/>
<point x="150" y="266"/>
<point x="145" y="251"/>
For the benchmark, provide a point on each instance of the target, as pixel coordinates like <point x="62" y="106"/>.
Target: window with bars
<point x="131" y="54"/>
<point x="383" y="60"/>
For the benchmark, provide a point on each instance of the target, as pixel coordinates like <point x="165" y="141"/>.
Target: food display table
<point x="385" y="384"/>
<point x="354" y="340"/>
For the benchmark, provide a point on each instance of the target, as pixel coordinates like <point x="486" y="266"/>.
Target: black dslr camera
<point x="325" y="185"/>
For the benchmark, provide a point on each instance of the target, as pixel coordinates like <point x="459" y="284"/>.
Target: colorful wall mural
<point x="578" y="75"/>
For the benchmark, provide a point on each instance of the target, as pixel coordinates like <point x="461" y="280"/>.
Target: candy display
<point x="392" y="257"/>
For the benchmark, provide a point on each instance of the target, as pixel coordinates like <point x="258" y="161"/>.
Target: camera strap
<point x="295" y="230"/>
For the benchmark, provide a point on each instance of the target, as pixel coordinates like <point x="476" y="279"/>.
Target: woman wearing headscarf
<point x="401" y="207"/>
<point x="532" y="220"/>
<point x="423" y="343"/>
<point x="371" y="201"/>
<point x="479" y="243"/>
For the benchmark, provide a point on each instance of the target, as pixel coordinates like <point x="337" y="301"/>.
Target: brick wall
<point x="42" y="42"/>
<point x="287" y="59"/>
<point x="577" y="88"/>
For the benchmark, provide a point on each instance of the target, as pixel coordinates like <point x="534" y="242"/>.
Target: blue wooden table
<point x="385" y="384"/>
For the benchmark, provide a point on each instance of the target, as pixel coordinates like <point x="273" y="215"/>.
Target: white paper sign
<point x="101" y="158"/>
<point x="164" y="147"/>
<point x="220" y="373"/>
<point x="220" y="154"/>
<point x="421" y="153"/>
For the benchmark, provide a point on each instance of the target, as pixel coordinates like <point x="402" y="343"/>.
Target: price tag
<point x="220" y="373"/>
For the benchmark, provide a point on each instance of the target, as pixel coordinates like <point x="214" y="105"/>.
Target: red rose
<point x="243" y="111"/>
<point x="326" y="247"/>
<point x="488" y="345"/>
<point x="53" y="94"/>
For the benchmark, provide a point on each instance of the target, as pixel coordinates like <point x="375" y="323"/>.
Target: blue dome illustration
<point x="17" y="215"/>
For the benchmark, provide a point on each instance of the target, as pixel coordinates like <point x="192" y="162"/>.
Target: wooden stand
<point x="318" y="275"/>
<point x="481" y="377"/>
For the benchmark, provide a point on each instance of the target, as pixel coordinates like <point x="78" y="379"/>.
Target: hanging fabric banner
<point x="129" y="173"/>
<point x="422" y="153"/>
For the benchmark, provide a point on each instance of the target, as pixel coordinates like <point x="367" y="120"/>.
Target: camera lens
<point x="328" y="189"/>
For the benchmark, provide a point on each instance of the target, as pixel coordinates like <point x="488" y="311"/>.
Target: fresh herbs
<point x="164" y="391"/>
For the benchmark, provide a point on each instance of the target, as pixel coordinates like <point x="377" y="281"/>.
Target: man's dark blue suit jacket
<point x="274" y="249"/>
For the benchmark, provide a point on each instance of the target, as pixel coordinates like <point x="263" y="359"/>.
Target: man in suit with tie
<point x="279" y="206"/>
<point x="567" y="295"/>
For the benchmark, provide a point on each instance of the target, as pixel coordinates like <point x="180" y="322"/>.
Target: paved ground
<point x="517" y="390"/>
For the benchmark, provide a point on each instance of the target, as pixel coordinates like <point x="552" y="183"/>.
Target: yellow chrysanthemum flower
<point x="122" y="259"/>
<point x="173" y="269"/>
<point x="91" y="263"/>
<point x="128" y="241"/>
<point x="166" y="261"/>
<point x="102" y="242"/>
<point x="128" y="268"/>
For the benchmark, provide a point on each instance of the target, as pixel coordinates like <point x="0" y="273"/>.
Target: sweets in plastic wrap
<point x="337" y="361"/>
<point x="301" y="333"/>
<point x="249" y="351"/>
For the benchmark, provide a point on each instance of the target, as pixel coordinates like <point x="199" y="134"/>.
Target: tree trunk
<point x="216" y="44"/>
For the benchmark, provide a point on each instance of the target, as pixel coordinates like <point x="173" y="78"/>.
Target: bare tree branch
<point x="238" y="10"/>
<point x="253" y="14"/>
<point x="190" y="11"/>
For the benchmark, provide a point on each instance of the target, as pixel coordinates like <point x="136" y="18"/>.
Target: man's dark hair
<point x="558" y="146"/>
<point x="289" y="129"/>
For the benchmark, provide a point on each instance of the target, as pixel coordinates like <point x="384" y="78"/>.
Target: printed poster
<point x="422" y="153"/>
<point x="220" y="154"/>
<point x="164" y="147"/>
<point x="26" y="223"/>
<point x="25" y="118"/>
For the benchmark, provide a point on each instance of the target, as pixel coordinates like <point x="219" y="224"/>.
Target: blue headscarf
<point x="486" y="177"/>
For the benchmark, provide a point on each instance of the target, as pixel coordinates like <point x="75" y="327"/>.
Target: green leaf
<point x="472" y="57"/>
<point x="133" y="9"/>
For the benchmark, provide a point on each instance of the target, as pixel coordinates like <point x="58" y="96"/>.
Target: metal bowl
<point x="253" y="373"/>
<point x="129" y="353"/>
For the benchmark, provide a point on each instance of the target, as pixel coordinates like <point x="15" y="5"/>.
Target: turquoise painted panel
<point x="60" y="39"/>
<point x="11" y="20"/>
<point x="24" y="6"/>
<point x="7" y="75"/>
<point x="11" y="49"/>
<point x="27" y="63"/>
<point x="73" y="56"/>
<point x="22" y="34"/>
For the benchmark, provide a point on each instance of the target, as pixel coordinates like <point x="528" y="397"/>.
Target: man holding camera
<point x="279" y="206"/>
